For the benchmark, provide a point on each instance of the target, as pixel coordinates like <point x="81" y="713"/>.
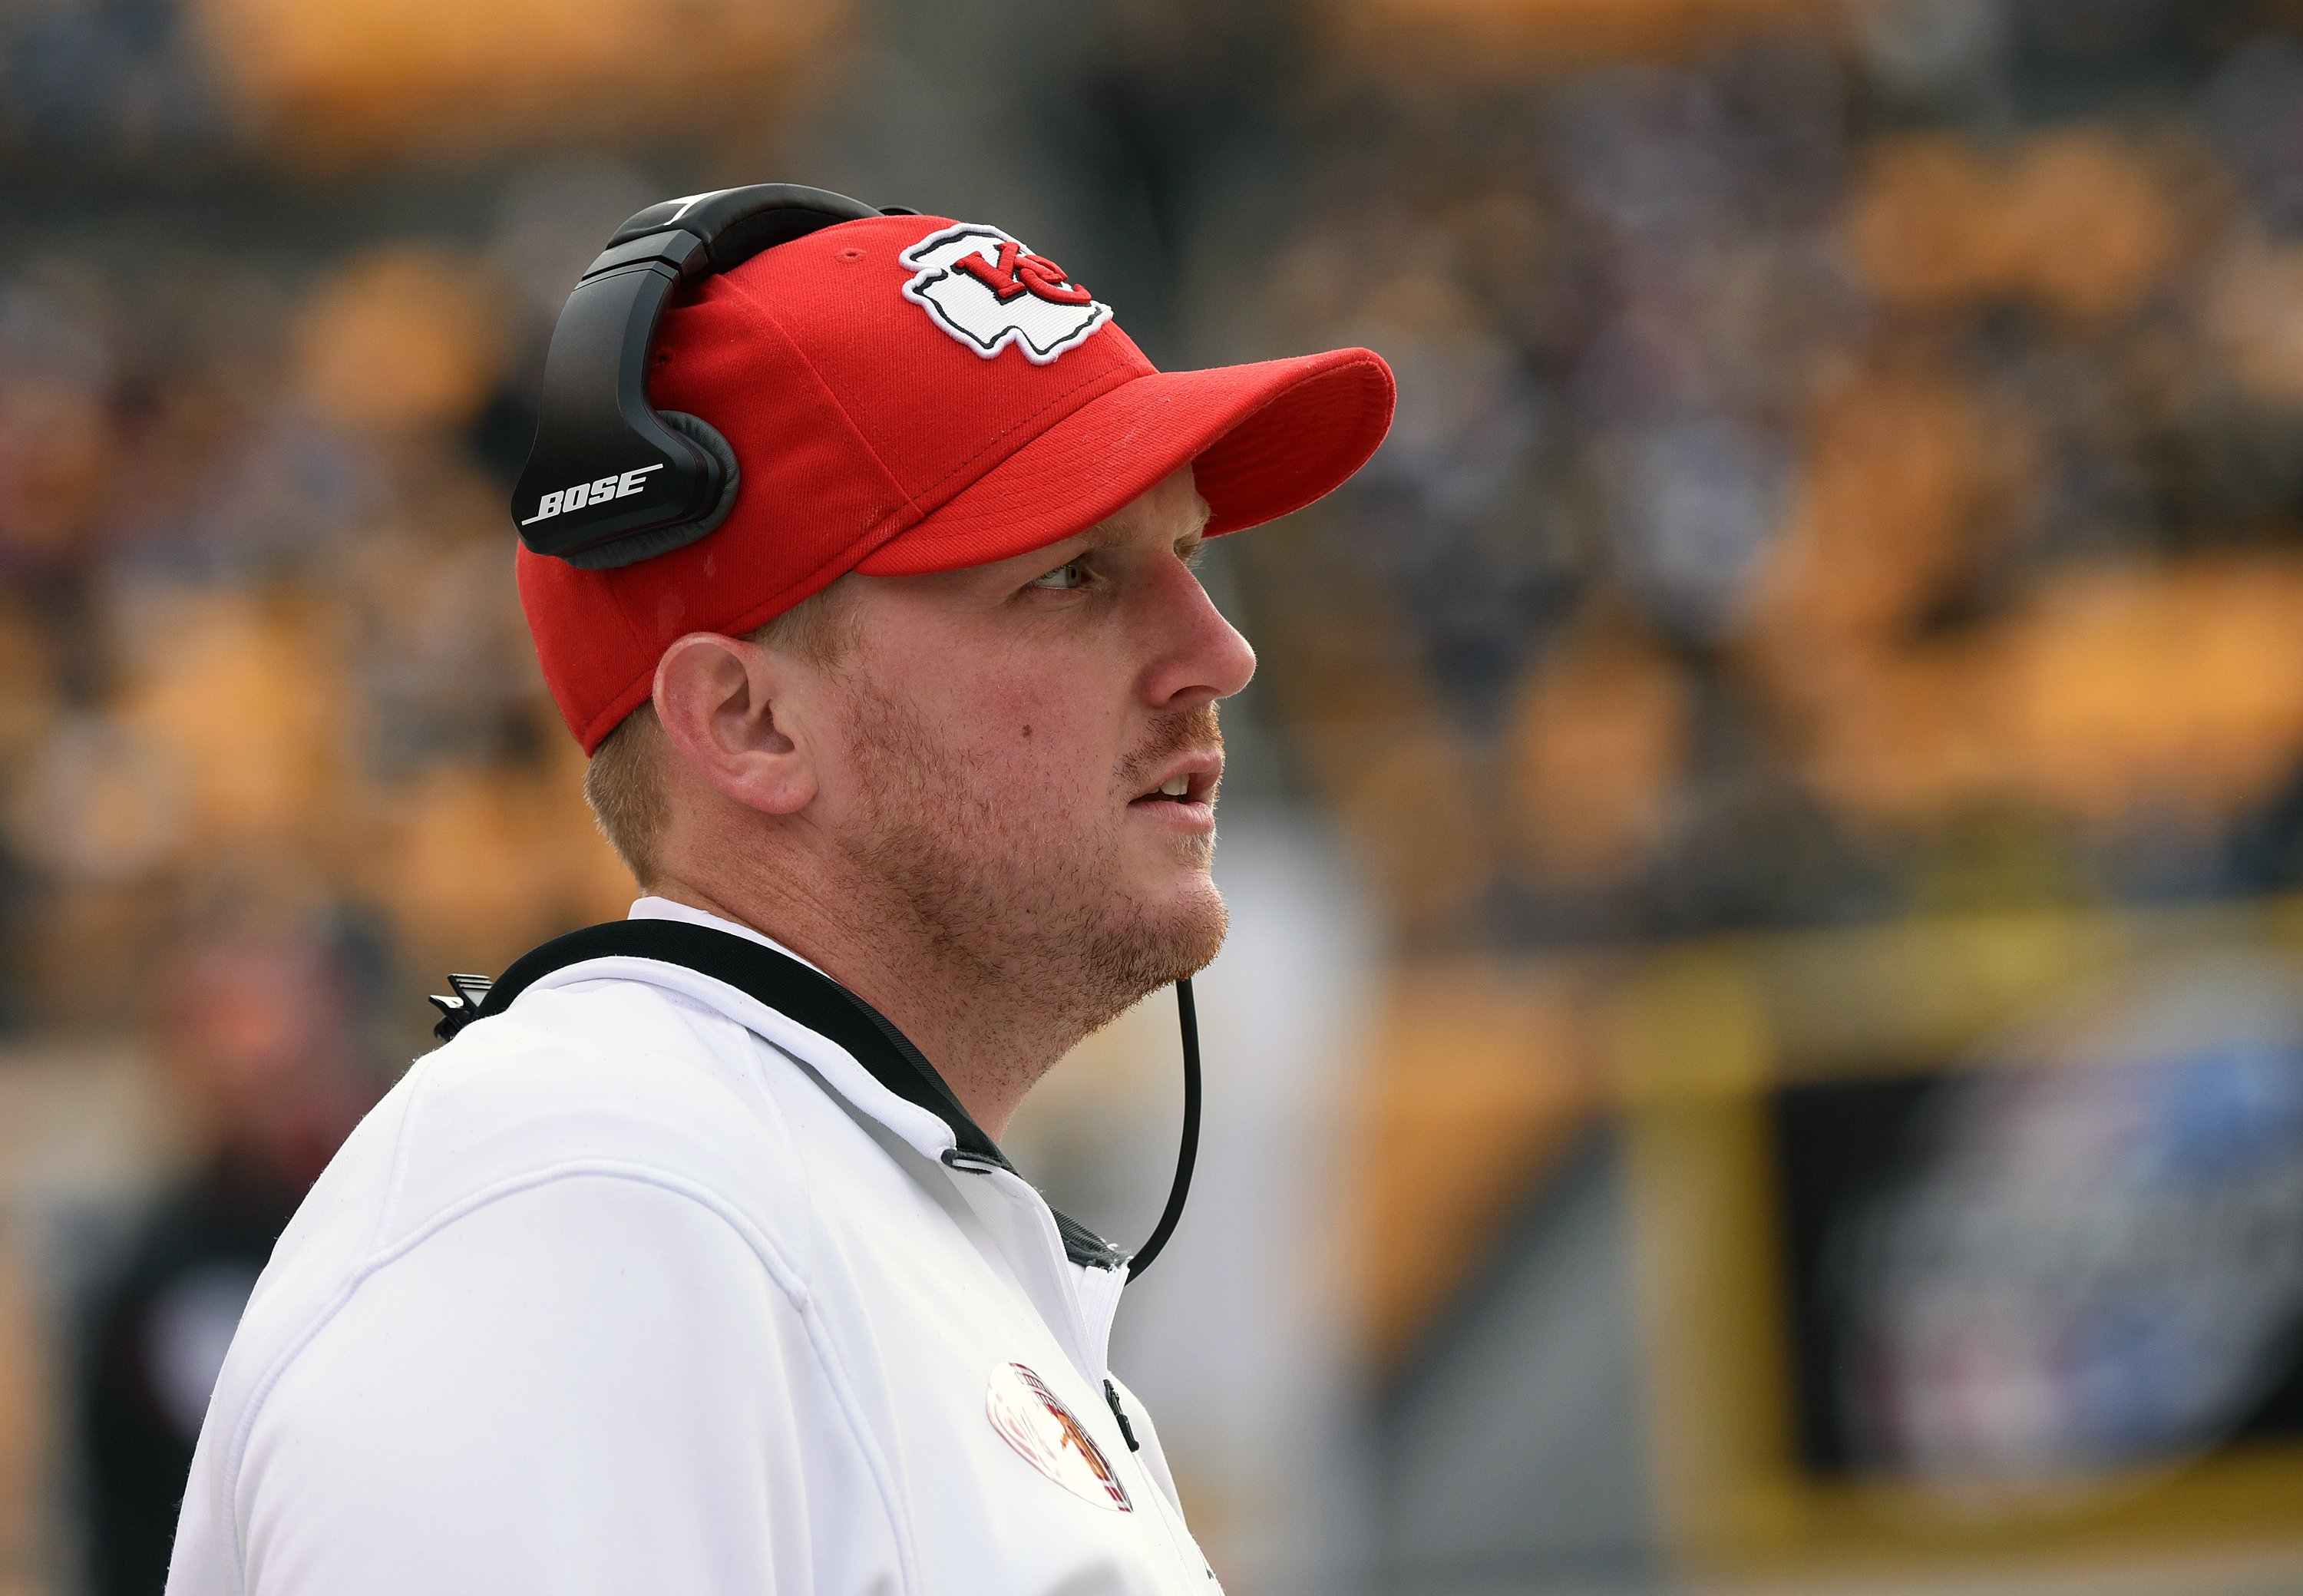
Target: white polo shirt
<point x="640" y="1286"/>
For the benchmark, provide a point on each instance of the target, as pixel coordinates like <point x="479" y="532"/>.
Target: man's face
<point x="1008" y="731"/>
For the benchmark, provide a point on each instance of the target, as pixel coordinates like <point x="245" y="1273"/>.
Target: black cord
<point x="1188" y="1016"/>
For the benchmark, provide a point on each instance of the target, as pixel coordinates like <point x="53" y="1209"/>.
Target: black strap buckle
<point x="463" y="1009"/>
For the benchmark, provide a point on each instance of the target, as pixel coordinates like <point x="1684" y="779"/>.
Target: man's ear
<point x="727" y="707"/>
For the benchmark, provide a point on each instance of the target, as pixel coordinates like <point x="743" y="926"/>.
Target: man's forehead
<point x="1173" y="506"/>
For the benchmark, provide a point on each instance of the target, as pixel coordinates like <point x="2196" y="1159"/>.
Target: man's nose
<point x="1202" y="657"/>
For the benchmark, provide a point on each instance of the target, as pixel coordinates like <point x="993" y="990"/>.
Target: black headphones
<point x="611" y="481"/>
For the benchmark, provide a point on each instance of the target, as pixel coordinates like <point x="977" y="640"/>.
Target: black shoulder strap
<point x="792" y="989"/>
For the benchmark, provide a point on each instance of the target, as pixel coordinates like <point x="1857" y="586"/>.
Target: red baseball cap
<point x="908" y="395"/>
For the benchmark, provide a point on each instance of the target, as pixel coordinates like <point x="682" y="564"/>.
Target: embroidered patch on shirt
<point x="1039" y="1426"/>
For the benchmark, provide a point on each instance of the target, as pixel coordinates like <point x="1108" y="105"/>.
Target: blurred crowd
<point x="1848" y="471"/>
<point x="264" y="655"/>
<point x="1849" y="464"/>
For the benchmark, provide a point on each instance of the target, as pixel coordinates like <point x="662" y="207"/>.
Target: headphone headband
<point x="611" y="481"/>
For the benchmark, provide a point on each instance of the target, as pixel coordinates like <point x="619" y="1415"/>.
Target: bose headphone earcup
<point x="706" y="437"/>
<point x="631" y="550"/>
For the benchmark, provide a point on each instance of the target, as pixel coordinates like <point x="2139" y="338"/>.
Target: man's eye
<point x="1070" y="575"/>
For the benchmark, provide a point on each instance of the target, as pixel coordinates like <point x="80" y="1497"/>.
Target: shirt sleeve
<point x="594" y="1385"/>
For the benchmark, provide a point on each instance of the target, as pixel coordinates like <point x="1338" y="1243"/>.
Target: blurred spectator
<point x="260" y="1034"/>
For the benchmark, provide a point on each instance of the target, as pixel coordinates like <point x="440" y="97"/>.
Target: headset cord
<point x="1187" y="1017"/>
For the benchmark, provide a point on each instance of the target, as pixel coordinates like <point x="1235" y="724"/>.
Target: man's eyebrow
<point x="1190" y="542"/>
<point x="1104" y="535"/>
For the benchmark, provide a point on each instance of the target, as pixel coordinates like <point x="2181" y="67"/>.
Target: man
<point x="651" y="1281"/>
<point x="258" y="1033"/>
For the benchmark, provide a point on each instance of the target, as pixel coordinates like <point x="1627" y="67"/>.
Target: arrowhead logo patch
<point x="1038" y="1425"/>
<point x="988" y="291"/>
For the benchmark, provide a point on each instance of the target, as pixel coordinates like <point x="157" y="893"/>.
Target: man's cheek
<point x="1051" y="738"/>
<point x="1052" y="781"/>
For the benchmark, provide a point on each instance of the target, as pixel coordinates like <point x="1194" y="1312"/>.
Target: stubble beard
<point x="1034" y="926"/>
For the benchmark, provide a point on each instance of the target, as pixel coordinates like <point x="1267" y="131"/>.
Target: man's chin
<point x="1176" y="936"/>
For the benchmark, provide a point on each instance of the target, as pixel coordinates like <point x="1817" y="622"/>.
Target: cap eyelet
<point x="850" y="255"/>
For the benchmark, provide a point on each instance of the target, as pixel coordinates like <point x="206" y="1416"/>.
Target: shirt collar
<point x="881" y="1073"/>
<point x="652" y="907"/>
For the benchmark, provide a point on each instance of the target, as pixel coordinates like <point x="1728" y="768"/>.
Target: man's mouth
<point x="1193" y="781"/>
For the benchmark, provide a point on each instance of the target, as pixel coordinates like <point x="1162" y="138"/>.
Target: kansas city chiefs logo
<point x="988" y="291"/>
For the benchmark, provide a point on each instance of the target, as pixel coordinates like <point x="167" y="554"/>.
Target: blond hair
<point x="625" y="784"/>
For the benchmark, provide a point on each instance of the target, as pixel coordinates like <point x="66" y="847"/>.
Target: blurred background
<point x="1762" y="1048"/>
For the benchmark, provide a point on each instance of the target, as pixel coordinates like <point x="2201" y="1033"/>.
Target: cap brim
<point x="1264" y="440"/>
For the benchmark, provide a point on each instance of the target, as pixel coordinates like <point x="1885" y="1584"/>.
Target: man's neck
<point x="988" y="1042"/>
